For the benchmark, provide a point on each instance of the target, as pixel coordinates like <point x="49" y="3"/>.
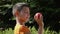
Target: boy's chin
<point x="27" y="20"/>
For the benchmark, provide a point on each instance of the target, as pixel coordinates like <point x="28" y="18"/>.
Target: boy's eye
<point x="25" y="12"/>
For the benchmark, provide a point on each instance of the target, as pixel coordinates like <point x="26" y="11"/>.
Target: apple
<point x="38" y="15"/>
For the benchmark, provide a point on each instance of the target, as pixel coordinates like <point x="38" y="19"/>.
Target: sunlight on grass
<point x="7" y="31"/>
<point x="33" y="31"/>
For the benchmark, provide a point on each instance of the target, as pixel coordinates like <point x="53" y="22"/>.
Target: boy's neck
<point x="19" y="22"/>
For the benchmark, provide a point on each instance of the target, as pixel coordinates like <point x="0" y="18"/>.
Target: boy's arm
<point x="39" y="19"/>
<point x="41" y="29"/>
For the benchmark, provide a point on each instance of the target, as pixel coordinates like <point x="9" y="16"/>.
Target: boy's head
<point x="21" y="11"/>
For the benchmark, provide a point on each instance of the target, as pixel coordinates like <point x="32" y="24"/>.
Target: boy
<point x="21" y="12"/>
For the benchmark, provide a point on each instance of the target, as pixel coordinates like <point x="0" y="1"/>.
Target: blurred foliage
<point x="49" y="8"/>
<point x="33" y="31"/>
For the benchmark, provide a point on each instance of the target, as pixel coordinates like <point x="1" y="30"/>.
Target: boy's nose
<point x="28" y="15"/>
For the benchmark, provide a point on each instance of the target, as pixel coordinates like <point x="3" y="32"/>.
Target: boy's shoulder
<point x="24" y="28"/>
<point x="21" y="28"/>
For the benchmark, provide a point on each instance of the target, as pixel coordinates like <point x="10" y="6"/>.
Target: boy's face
<point x="24" y="14"/>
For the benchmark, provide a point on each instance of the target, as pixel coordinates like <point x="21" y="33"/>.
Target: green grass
<point x="33" y="31"/>
<point x="10" y="31"/>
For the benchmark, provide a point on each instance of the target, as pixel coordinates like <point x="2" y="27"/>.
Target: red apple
<point x="38" y="15"/>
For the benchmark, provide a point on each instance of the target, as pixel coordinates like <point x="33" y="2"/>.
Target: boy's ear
<point x="16" y="13"/>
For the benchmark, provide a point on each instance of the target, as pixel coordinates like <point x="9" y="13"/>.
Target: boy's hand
<point x="39" y="19"/>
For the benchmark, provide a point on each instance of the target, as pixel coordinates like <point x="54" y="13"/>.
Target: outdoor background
<point x="49" y="8"/>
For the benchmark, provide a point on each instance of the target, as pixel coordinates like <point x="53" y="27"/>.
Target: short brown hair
<point x="19" y="7"/>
